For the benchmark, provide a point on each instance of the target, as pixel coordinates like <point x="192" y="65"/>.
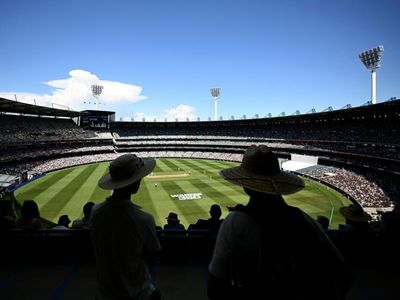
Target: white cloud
<point x="76" y="90"/>
<point x="181" y="112"/>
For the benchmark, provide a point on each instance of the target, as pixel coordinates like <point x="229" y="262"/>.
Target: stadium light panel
<point x="372" y="59"/>
<point x="215" y="92"/>
<point x="96" y="91"/>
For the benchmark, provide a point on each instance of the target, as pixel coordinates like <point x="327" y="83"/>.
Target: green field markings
<point x="41" y="185"/>
<point x="195" y="208"/>
<point x="148" y="200"/>
<point x="98" y="194"/>
<point x="212" y="166"/>
<point x="309" y="208"/>
<point x="220" y="165"/>
<point x="318" y="199"/>
<point x="337" y="201"/>
<point x="161" y="166"/>
<point x="56" y="204"/>
<point x="328" y="198"/>
<point x="171" y="165"/>
<point x="66" y="191"/>
<point x="168" y="167"/>
<point x="188" y="210"/>
<point x="157" y="168"/>
<point x="223" y="199"/>
<point x="68" y="175"/>
<point x="198" y="167"/>
<point x="312" y="196"/>
<point x="167" y="173"/>
<point x="83" y="195"/>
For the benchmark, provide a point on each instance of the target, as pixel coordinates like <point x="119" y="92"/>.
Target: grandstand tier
<point x="362" y="141"/>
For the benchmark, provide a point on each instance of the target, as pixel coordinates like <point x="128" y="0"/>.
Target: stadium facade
<point x="357" y="145"/>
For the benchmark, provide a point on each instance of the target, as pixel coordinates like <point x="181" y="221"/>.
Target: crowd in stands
<point x="30" y="219"/>
<point x="356" y="220"/>
<point x="23" y="129"/>
<point x="59" y="163"/>
<point x="312" y="143"/>
<point x="352" y="140"/>
<point x="350" y="128"/>
<point x="347" y="139"/>
<point x="21" y="154"/>
<point x="365" y="190"/>
<point x="370" y="191"/>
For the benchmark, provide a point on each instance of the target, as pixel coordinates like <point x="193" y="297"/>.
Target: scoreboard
<point x="96" y="119"/>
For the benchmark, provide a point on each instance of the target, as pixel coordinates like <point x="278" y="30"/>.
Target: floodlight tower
<point x="96" y="90"/>
<point x="215" y="94"/>
<point x="372" y="61"/>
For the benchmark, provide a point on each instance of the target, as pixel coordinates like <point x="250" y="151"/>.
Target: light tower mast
<point x="96" y="91"/>
<point x="372" y="61"/>
<point x="215" y="92"/>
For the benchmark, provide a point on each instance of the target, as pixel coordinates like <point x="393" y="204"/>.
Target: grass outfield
<point x="66" y="191"/>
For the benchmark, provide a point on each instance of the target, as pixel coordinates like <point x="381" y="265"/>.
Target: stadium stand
<point x="345" y="139"/>
<point x="357" y="149"/>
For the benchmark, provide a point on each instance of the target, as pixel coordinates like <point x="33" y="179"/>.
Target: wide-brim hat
<point x="260" y="171"/>
<point x="355" y="213"/>
<point x="125" y="170"/>
<point x="172" y="217"/>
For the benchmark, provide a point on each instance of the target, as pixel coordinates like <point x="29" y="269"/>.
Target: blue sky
<point x="158" y="59"/>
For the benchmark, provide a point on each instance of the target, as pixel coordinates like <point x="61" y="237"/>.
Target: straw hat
<point x="172" y="217"/>
<point x="125" y="170"/>
<point x="355" y="213"/>
<point x="260" y="171"/>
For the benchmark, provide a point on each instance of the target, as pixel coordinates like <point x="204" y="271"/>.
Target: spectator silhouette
<point x="212" y="224"/>
<point x="123" y="235"/>
<point x="84" y="222"/>
<point x="173" y="223"/>
<point x="63" y="223"/>
<point x="6" y="220"/>
<point x="268" y="249"/>
<point x="356" y="219"/>
<point x="390" y="223"/>
<point x="30" y="217"/>
<point x="323" y="222"/>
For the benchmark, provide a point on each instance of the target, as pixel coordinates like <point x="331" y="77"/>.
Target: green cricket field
<point x="185" y="186"/>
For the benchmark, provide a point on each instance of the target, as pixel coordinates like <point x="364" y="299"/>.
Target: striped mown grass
<point x="66" y="191"/>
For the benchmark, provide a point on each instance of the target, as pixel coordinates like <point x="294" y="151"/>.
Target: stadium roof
<point x="99" y="112"/>
<point x="11" y="106"/>
<point x="6" y="180"/>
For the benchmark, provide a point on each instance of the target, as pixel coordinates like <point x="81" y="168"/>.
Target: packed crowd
<point x="59" y="163"/>
<point x="22" y="129"/>
<point x="334" y="139"/>
<point x="20" y="154"/>
<point x="366" y="191"/>
<point x="301" y="253"/>
<point x="349" y="128"/>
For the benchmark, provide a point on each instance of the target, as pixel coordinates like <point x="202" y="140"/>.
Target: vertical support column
<point x="216" y="109"/>
<point x="373" y="86"/>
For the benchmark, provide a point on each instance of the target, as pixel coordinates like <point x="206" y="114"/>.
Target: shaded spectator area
<point x="16" y="129"/>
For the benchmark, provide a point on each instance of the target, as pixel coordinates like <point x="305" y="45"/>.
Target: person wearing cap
<point x="123" y="234"/>
<point x="268" y="249"/>
<point x="173" y="223"/>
